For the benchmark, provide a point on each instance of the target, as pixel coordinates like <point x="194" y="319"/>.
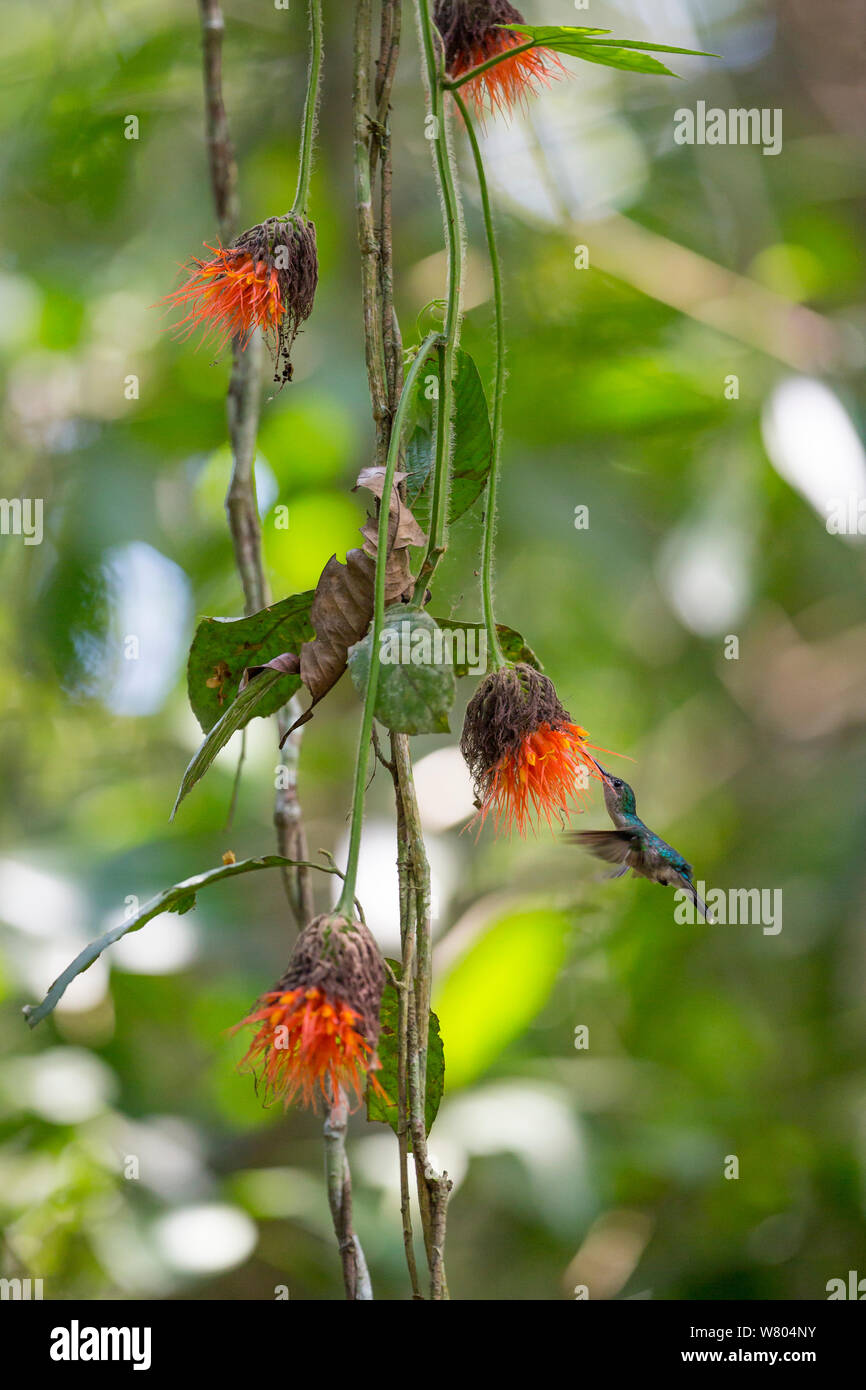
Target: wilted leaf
<point x="493" y="992"/>
<point x="287" y="664"/>
<point x="403" y="529"/>
<point x="389" y="1050"/>
<point x="342" y="606"/>
<point x="416" y="688"/>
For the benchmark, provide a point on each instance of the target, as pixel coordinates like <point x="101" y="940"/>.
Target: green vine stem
<point x="311" y="103"/>
<point x="452" y="219"/>
<point x="488" y="544"/>
<point x="344" y="906"/>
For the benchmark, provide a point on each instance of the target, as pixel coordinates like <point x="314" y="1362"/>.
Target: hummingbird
<point x="634" y="846"/>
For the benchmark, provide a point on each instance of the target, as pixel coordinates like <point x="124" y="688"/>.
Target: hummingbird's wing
<point x="610" y="845"/>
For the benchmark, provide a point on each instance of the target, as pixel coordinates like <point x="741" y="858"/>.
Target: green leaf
<point x="513" y="646"/>
<point x="535" y="30"/>
<point x="179" y="898"/>
<point x="630" y="55"/>
<point x="473" y="446"/>
<point x="649" y="47"/>
<point x="389" y="1047"/>
<point x="416" y="686"/>
<point x="222" y="648"/>
<point x="273" y="683"/>
<point x="495" y="990"/>
<point x="621" y="58"/>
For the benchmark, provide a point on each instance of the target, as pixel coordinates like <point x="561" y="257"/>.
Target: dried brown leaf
<point x="343" y="604"/>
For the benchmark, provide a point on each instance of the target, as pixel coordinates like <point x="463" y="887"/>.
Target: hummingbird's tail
<point x="697" y="899"/>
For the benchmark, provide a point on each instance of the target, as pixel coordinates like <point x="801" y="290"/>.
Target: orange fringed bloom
<point x="307" y="1042"/>
<point x="229" y="296"/>
<point x="547" y="768"/>
<point x="318" y="1028"/>
<point x="526" y="756"/>
<point x="266" y="279"/>
<point x="472" y="34"/>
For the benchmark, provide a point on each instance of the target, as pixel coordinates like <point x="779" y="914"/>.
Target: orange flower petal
<point x="228" y="297"/>
<point x="308" y="1047"/>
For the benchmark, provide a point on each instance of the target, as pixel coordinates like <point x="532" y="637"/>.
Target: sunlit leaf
<point x="630" y="55"/>
<point x="492" y="994"/>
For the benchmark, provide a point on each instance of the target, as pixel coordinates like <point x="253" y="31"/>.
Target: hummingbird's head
<point x="618" y="796"/>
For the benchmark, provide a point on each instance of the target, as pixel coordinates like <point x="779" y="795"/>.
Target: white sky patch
<point x="444" y="788"/>
<point x="49" y="916"/>
<point x="704" y="569"/>
<point x="206" y="1239"/>
<point x="147" y="641"/>
<point x="812" y="444"/>
<point x="377" y="887"/>
<point x="169" y="1151"/>
<point x="163" y="946"/>
<point x="39" y="903"/>
<point x="65" y="1085"/>
<point x="594" y="162"/>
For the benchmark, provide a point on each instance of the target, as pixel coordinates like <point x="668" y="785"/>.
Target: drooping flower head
<point x="318" y="1028"/>
<point x="266" y="279"/>
<point x="471" y="35"/>
<point x="525" y="755"/>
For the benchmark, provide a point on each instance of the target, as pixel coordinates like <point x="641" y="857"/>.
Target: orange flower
<point x="308" y="1042"/>
<point x="229" y="296"/>
<point x="526" y="756"/>
<point x="471" y="35"/>
<point x="319" y="1026"/>
<point x="266" y="279"/>
<point x="547" y="767"/>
